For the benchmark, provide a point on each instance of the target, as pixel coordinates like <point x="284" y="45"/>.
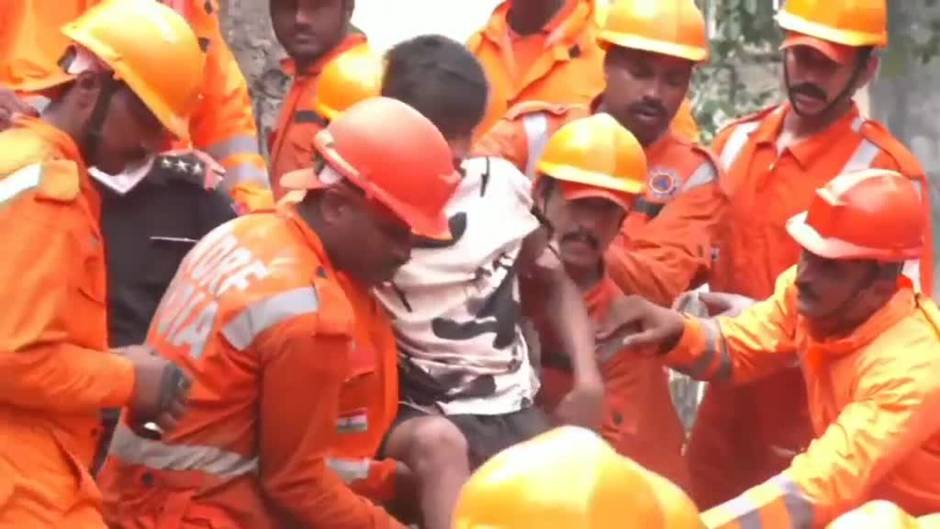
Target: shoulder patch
<point x="878" y="134"/>
<point x="529" y="107"/>
<point x="59" y="181"/>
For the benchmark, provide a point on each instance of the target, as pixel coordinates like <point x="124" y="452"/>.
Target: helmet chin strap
<point x="95" y="132"/>
<point x="845" y="94"/>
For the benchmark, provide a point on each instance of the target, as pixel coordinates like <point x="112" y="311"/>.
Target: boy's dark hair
<point x="439" y="78"/>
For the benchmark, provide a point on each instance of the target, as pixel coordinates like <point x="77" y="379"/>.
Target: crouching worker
<point x="570" y="478"/>
<point x="588" y="179"/>
<point x="868" y="347"/>
<point x="121" y="97"/>
<point x="259" y="317"/>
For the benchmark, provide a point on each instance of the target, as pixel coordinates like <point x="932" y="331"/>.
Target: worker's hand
<point x="192" y="165"/>
<point x="712" y="304"/>
<point x="641" y="326"/>
<point x="160" y="388"/>
<point x="11" y="105"/>
<point x="583" y="406"/>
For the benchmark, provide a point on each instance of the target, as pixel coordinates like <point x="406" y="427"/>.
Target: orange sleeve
<point x="895" y="409"/>
<point x="741" y="349"/>
<point x="672" y="252"/>
<point x="507" y="140"/>
<point x="40" y="368"/>
<point x="224" y="124"/>
<point x="373" y="479"/>
<point x="300" y="398"/>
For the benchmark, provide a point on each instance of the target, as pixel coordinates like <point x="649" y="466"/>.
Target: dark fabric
<point x="488" y="435"/>
<point x="146" y="233"/>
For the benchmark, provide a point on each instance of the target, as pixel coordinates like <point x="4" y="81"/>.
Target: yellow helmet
<point x="152" y="49"/>
<point x="856" y="23"/>
<point x="600" y="156"/>
<point x="354" y="75"/>
<point x="565" y="478"/>
<point x="668" y="27"/>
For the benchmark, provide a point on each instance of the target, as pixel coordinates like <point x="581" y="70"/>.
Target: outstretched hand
<point x="641" y="326"/>
<point x="712" y="304"/>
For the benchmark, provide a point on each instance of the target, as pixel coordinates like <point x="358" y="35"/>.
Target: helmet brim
<point x="830" y="248"/>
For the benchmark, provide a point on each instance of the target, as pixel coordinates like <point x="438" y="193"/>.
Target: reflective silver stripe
<point x="244" y="144"/>
<point x="256" y="318"/>
<point x="800" y="509"/>
<point x="136" y="450"/>
<point x="715" y="345"/>
<point x="736" y="143"/>
<point x="245" y="173"/>
<point x="536" y="133"/>
<point x="741" y="512"/>
<point x="22" y="180"/>
<point x="857" y="123"/>
<point x="705" y="174"/>
<point x="862" y="158"/>
<point x="349" y="470"/>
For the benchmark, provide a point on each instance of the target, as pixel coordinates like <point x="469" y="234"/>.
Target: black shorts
<point x="488" y="435"/>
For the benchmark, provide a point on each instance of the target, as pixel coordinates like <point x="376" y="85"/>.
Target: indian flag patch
<point x="354" y="421"/>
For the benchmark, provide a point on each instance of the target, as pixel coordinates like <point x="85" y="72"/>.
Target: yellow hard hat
<point x="566" y="478"/>
<point x="152" y="49"/>
<point x="668" y="27"/>
<point x="856" y="23"/>
<point x="879" y="513"/>
<point x="599" y="156"/>
<point x="354" y="75"/>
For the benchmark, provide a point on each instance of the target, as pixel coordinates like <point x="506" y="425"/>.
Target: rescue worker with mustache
<point x="867" y="343"/>
<point x="773" y="161"/>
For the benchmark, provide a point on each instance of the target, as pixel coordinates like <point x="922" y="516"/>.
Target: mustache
<point x="649" y="104"/>
<point x="809" y="90"/>
<point x="582" y="236"/>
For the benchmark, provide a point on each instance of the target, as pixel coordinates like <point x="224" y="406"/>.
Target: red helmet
<point x="872" y="214"/>
<point x="395" y="155"/>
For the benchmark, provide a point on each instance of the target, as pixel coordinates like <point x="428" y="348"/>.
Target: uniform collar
<point x="901" y="304"/>
<point x="565" y="26"/>
<point x="289" y="66"/>
<point x="310" y="237"/>
<point x="810" y="149"/>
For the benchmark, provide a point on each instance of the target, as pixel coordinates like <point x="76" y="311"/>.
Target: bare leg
<point x="436" y="451"/>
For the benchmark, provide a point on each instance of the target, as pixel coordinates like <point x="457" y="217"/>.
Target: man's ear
<point x="871" y="69"/>
<point x="333" y="206"/>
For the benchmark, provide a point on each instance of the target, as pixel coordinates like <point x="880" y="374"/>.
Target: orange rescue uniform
<point x="257" y="316"/>
<point x="664" y="246"/>
<point x="744" y="435"/>
<point x="55" y="373"/>
<point x="874" y="400"/>
<point x="561" y="63"/>
<point x="368" y="401"/>
<point x="291" y="142"/>
<point x="640" y="421"/>
<point x="223" y="124"/>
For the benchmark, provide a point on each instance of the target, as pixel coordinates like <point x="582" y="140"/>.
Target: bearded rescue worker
<point x="222" y="124"/>
<point x="313" y="32"/>
<point x="258" y="315"/>
<point x="590" y="176"/>
<point x="866" y="342"/>
<point x="664" y="247"/>
<point x="133" y="78"/>
<point x="570" y="478"/>
<point x="773" y="162"/>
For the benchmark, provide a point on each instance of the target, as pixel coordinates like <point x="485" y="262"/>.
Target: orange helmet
<point x="395" y="155"/>
<point x="871" y="214"/>
<point x="668" y="27"/>
<point x="152" y="49"/>
<point x="570" y="477"/>
<point x="878" y="514"/>
<point x="596" y="156"/>
<point x="855" y="23"/>
<point x="348" y="79"/>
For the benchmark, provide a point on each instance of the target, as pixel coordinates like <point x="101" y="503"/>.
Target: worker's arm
<point x="224" y="124"/>
<point x="554" y="301"/>
<point x="303" y="373"/>
<point x="741" y="349"/>
<point x="43" y="268"/>
<point x="672" y="252"/>
<point x="896" y="409"/>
